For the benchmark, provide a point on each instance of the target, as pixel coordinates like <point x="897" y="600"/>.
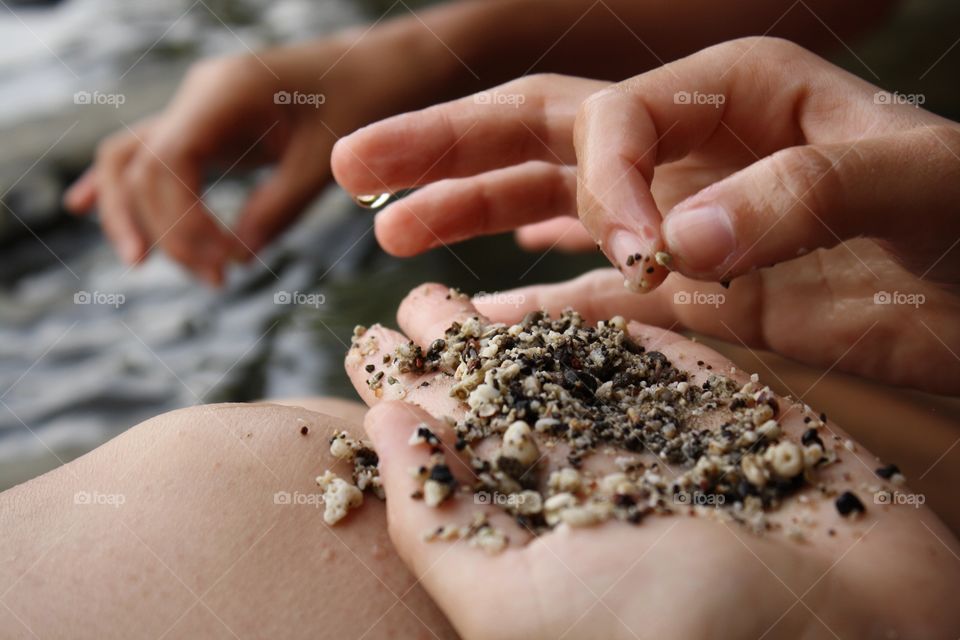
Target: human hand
<point x="821" y="309"/>
<point x="757" y="120"/>
<point x="283" y="107"/>
<point x="683" y="576"/>
<point x="491" y="162"/>
<point x="802" y="155"/>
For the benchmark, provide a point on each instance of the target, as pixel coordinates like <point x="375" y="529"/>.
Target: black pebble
<point x="427" y="435"/>
<point x="888" y="471"/>
<point x="366" y="457"/>
<point x="623" y="500"/>
<point x="810" y="436"/>
<point x="441" y="473"/>
<point x="849" y="503"/>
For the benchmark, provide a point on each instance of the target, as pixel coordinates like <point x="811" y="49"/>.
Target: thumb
<point x="812" y="196"/>
<point x="278" y="201"/>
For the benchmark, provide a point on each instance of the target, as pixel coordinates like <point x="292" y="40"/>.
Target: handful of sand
<point x="552" y="393"/>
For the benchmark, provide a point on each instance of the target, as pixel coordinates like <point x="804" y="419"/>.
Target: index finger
<point x="527" y="119"/>
<point x="736" y="102"/>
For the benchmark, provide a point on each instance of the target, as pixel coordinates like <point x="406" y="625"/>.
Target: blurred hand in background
<point x="279" y="108"/>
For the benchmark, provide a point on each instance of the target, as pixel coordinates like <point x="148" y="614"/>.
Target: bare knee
<point x="180" y="514"/>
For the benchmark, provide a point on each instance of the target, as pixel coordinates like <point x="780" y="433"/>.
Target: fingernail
<point x="624" y="247"/>
<point x="701" y="238"/>
<point x="632" y="256"/>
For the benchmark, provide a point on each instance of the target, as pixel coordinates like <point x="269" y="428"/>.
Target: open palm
<point x="683" y="576"/>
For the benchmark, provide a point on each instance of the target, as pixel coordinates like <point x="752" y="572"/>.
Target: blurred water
<point x="73" y="374"/>
<point x="47" y="53"/>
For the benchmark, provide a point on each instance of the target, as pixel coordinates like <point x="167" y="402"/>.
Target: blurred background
<point x="76" y="368"/>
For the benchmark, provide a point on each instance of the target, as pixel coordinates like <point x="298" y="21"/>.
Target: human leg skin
<point x="172" y="530"/>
